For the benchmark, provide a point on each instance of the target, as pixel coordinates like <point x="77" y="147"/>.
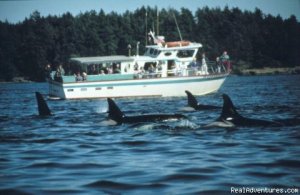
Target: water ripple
<point x="106" y="184"/>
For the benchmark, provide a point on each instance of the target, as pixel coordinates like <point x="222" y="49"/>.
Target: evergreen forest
<point x="252" y="39"/>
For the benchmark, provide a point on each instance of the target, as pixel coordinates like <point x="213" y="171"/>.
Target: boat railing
<point x="212" y="69"/>
<point x="215" y="68"/>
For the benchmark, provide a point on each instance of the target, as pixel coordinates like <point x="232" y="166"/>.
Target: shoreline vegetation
<point x="253" y="40"/>
<point x="266" y="71"/>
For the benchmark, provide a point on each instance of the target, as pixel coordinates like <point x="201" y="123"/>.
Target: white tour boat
<point x="166" y="69"/>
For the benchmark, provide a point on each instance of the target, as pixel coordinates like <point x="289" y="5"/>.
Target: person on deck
<point x="102" y="72"/>
<point x="84" y="76"/>
<point x="218" y="65"/>
<point x="59" y="73"/>
<point x="48" y="72"/>
<point x="78" y="77"/>
<point x="204" y="68"/>
<point x="94" y="70"/>
<point x="61" y="70"/>
<point x="117" y="69"/>
<point x="109" y="70"/>
<point x="225" y="60"/>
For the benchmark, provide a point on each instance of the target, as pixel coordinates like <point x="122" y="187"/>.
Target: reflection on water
<point x="75" y="152"/>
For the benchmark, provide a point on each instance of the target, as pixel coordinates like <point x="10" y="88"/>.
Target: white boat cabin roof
<point x="187" y="47"/>
<point x="102" y="59"/>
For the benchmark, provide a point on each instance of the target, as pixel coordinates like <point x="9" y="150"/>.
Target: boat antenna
<point x="177" y="27"/>
<point x="146" y="28"/>
<point x="157" y="24"/>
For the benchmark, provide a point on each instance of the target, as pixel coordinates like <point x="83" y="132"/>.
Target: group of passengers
<point x="148" y="71"/>
<point x="112" y="69"/>
<point x="59" y="72"/>
<point x="57" y="75"/>
<point x="221" y="61"/>
<point x="80" y="77"/>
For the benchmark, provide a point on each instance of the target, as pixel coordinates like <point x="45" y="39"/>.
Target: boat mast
<point x="146" y="29"/>
<point x="177" y="27"/>
<point x="157" y="23"/>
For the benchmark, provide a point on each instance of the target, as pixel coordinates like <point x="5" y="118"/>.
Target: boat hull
<point x="165" y="87"/>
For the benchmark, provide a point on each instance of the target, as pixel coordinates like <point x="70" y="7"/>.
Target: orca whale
<point x="231" y="118"/>
<point x="192" y="102"/>
<point x="115" y="114"/>
<point x="42" y="105"/>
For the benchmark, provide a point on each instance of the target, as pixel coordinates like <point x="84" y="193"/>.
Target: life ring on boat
<point x="177" y="43"/>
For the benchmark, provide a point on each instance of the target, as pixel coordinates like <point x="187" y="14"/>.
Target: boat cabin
<point x="173" y="59"/>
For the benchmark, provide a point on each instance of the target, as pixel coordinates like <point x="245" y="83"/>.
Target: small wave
<point x="145" y="127"/>
<point x="270" y="148"/>
<point x="69" y="166"/>
<point x="13" y="192"/>
<point x="92" y="134"/>
<point x="101" y="107"/>
<point x="122" y="186"/>
<point x="186" y="124"/>
<point x="227" y="144"/>
<point x="134" y="143"/>
<point x="4" y="160"/>
<point x="214" y="169"/>
<point x="266" y="175"/>
<point x="186" y="177"/>
<point x="45" y="141"/>
<point x="167" y="125"/>
<point x="4" y="118"/>
<point x="187" y="109"/>
<point x="277" y="164"/>
<point x="62" y="191"/>
<point x="108" y="123"/>
<point x="288" y="163"/>
<point x="45" y="165"/>
<point x="11" y="139"/>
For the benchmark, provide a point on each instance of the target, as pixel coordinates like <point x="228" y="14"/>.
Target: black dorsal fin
<point x="114" y="111"/>
<point x="42" y="105"/>
<point x="228" y="110"/>
<point x="192" y="102"/>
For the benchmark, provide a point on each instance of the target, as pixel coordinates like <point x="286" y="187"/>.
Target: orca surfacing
<point x="115" y="114"/>
<point x="231" y="118"/>
<point x="42" y="105"/>
<point x="192" y="102"/>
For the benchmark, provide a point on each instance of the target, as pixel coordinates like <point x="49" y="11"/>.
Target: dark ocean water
<point x="75" y="152"/>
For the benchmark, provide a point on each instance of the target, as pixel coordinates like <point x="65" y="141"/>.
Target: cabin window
<point x="148" y="65"/>
<point x="98" y="88"/>
<point x="156" y="52"/>
<point x="70" y="90"/>
<point x="185" y="53"/>
<point x="110" y="87"/>
<point x="151" y="51"/>
<point x="168" y="53"/>
<point x="83" y="89"/>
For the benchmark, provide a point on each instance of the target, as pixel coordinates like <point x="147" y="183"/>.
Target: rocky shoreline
<point x="18" y="80"/>
<point x="267" y="71"/>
